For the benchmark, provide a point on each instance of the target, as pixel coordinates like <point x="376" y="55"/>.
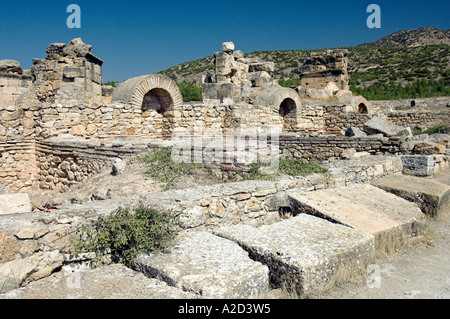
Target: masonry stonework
<point x="62" y="95"/>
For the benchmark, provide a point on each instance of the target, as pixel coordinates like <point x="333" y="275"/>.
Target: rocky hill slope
<point x="414" y="38"/>
<point x="406" y="64"/>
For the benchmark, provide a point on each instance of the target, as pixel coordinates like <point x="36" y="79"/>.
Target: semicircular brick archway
<point x="286" y="102"/>
<point x="136" y="91"/>
<point x="152" y="94"/>
<point x="361" y="105"/>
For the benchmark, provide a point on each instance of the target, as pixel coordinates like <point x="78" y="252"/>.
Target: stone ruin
<point x="322" y="68"/>
<point x="63" y="95"/>
<point x="13" y="81"/>
<point x="70" y="75"/>
<point x="59" y="126"/>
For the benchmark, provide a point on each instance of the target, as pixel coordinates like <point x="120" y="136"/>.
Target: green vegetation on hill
<point x="376" y="72"/>
<point x="385" y="73"/>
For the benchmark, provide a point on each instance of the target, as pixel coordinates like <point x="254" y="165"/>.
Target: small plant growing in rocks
<point x="162" y="168"/>
<point x="294" y="167"/>
<point x="287" y="166"/>
<point x="128" y="232"/>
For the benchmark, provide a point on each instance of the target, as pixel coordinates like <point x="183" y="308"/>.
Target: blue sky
<point x="140" y="37"/>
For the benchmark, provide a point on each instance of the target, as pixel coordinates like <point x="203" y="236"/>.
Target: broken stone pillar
<point x="321" y="68"/>
<point x="69" y="75"/>
<point x="13" y="81"/>
<point x="232" y="68"/>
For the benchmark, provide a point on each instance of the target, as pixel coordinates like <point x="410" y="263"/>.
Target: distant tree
<point x="111" y="83"/>
<point x="190" y="91"/>
<point x="291" y="82"/>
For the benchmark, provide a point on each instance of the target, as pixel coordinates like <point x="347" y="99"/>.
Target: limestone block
<point x="429" y="148"/>
<point x="219" y="91"/>
<point x="432" y="197"/>
<point x="61" y="238"/>
<point x="105" y="282"/>
<point x="354" y="132"/>
<point x="206" y="264"/>
<point x="304" y="252"/>
<point x="33" y="232"/>
<point x="9" y="246"/>
<point x="260" y="78"/>
<point x="381" y="214"/>
<point x="319" y="94"/>
<point x="9" y="64"/>
<point x="332" y="86"/>
<point x="418" y="165"/>
<point x="193" y="218"/>
<point x="15" y="204"/>
<point x="228" y="47"/>
<point x="72" y="72"/>
<point x="17" y="273"/>
<point x="378" y="125"/>
<point x="262" y="66"/>
<point x="118" y="167"/>
<point x="225" y="64"/>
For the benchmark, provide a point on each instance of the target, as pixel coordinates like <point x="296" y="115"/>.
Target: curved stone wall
<point x="286" y="102"/>
<point x="136" y="91"/>
<point x="361" y="106"/>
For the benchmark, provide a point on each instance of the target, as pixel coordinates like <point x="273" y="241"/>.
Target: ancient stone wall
<point x="12" y="86"/>
<point x="337" y="120"/>
<point x="70" y="74"/>
<point x="18" y="164"/>
<point x="64" y="163"/>
<point x="320" y="148"/>
<point x="321" y="68"/>
<point x="422" y="118"/>
<point x="13" y="81"/>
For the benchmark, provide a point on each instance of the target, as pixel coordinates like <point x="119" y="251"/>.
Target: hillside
<point x="414" y="38"/>
<point x="406" y="64"/>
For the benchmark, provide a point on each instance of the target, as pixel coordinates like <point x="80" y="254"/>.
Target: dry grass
<point x="387" y="244"/>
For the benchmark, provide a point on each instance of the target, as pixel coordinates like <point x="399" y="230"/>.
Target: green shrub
<point x="439" y="129"/>
<point x="295" y="167"/>
<point x="287" y="166"/>
<point x="128" y="232"/>
<point x="291" y="82"/>
<point x="111" y="83"/>
<point x="190" y="91"/>
<point x="162" y="168"/>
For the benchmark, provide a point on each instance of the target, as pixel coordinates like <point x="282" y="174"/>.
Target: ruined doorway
<point x="288" y="112"/>
<point x="160" y="101"/>
<point x="362" y="109"/>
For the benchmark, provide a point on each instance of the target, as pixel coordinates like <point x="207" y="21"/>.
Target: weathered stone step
<point x="305" y="252"/>
<point x="209" y="266"/>
<point x="432" y="197"/>
<point x="107" y="282"/>
<point x="15" y="204"/>
<point x="364" y="207"/>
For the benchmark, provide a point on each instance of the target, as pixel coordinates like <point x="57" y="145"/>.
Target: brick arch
<point x="150" y="93"/>
<point x="284" y="101"/>
<point x="361" y="105"/>
<point x="136" y="91"/>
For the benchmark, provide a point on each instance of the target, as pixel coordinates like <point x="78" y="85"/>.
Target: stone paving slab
<point x="108" y="282"/>
<point x="431" y="196"/>
<point x="15" y="204"/>
<point x="209" y="266"/>
<point x="363" y="207"/>
<point x="305" y="253"/>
